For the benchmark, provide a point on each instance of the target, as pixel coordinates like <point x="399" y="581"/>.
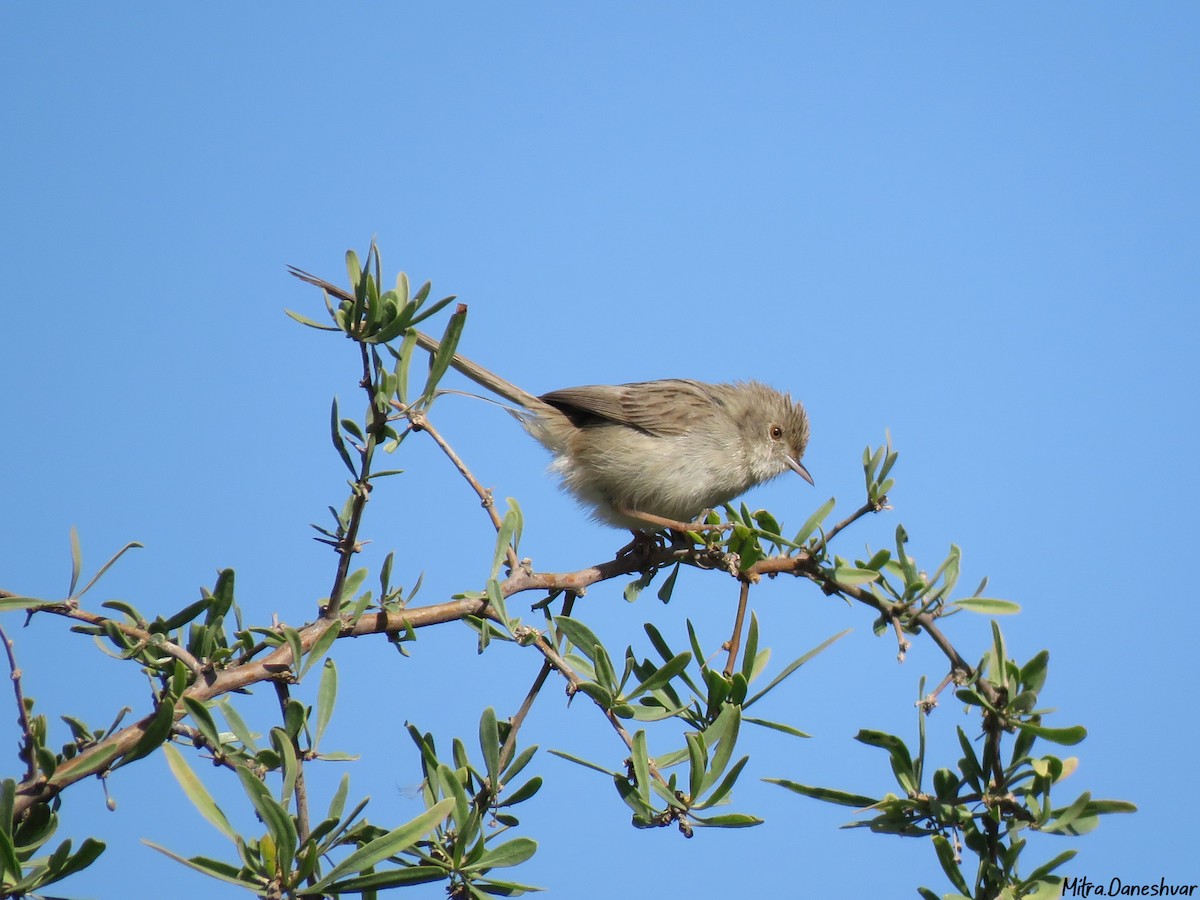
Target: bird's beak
<point x="798" y="468"/>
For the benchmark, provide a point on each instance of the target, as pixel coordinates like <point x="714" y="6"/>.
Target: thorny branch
<point x="277" y="664"/>
<point x="348" y="545"/>
<point x="22" y="711"/>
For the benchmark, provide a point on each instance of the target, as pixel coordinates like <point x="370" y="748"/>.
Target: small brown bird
<point x="652" y="454"/>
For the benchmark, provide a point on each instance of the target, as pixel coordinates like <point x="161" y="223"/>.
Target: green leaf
<point x="579" y="635"/>
<point x="583" y="762"/>
<point x="453" y="788"/>
<point x="292" y="637"/>
<point x="132" y="545"/>
<point x="489" y="743"/>
<point x="496" y="600"/>
<point x="634" y="589"/>
<point x="211" y="867"/>
<point x="338" y="803"/>
<point x="181" y="618"/>
<point x="766" y="522"/>
<point x="436" y="307"/>
<point x="724" y="734"/>
<point x="510" y="853"/>
<point x="204" y="721"/>
<point x="945" y="854"/>
<point x="76" y="561"/>
<point x="969" y="764"/>
<point x="1065" y="736"/>
<point x="69" y="863"/>
<point x="304" y="320"/>
<point x="1064" y="818"/>
<point x="822" y="512"/>
<point x="1105" y="807"/>
<point x="289" y="764"/>
<point x="948" y="571"/>
<point x="10" y="865"/>
<point x="524" y="792"/>
<point x="440" y="360"/>
<point x="402" y="321"/>
<point x="871" y="464"/>
<point x="222" y="597"/>
<point x="728" y="820"/>
<point x="849" y="575"/>
<point x="1046" y="868"/>
<point x="988" y="605"/>
<point x="668" y="586"/>
<point x="20" y="603"/>
<point x="156" y="733"/>
<point x="354" y="269"/>
<point x="326" y="698"/>
<point x="279" y="824"/>
<point x="195" y="791"/>
<point x="643" y="812"/>
<point x="641" y="765"/>
<point x="504" y="537"/>
<point x="319" y="648"/>
<point x="1033" y="673"/>
<point x="793" y="666"/>
<point x="776" y="726"/>
<point x="237" y="725"/>
<point x="8" y="798"/>
<point x="338" y="444"/>
<point x="750" y="652"/>
<point x="97" y="760"/>
<point x="605" y="673"/>
<point x="518" y="764"/>
<point x="902" y="765"/>
<point x="389" y="878"/>
<point x="662" y="675"/>
<point x="403" y="358"/>
<point x="826" y="795"/>
<point x="906" y="568"/>
<point x="395" y="841"/>
<point x="721" y="790"/>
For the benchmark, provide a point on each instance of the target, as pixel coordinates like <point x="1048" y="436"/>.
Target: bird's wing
<point x="630" y="405"/>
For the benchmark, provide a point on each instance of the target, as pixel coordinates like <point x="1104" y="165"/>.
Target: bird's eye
<point x="776" y="432"/>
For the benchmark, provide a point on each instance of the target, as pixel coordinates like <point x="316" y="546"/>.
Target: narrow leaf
<point x="988" y="605"/>
<point x="195" y="791"/>
<point x="390" y="844"/>
<point x="827" y="795"/>
<point x="794" y="665"/>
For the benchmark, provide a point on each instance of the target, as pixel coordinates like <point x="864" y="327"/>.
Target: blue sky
<point x="976" y="227"/>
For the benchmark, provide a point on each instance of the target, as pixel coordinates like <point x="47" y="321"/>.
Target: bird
<point x="650" y="455"/>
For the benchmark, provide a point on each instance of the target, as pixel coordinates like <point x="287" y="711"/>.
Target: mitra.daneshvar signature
<point x="1082" y="886"/>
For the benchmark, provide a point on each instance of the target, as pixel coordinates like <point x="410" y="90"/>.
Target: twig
<point x="510" y="743"/>
<point x="735" y="642"/>
<point x="421" y="423"/>
<point x="157" y="640"/>
<point x="283" y="695"/>
<point x="867" y="507"/>
<point x="197" y="739"/>
<point x="929" y="701"/>
<point x="348" y="545"/>
<point x="903" y="644"/>
<point x="22" y="713"/>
